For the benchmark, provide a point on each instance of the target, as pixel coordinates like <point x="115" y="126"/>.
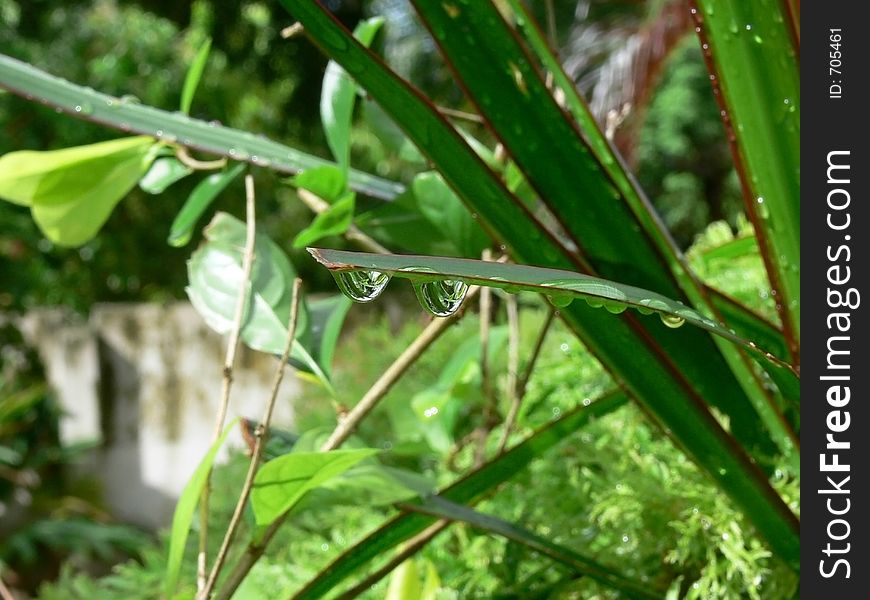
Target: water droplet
<point x="672" y="321"/>
<point x="594" y="301"/>
<point x="560" y="300"/>
<point x="725" y="535"/>
<point x="158" y="134"/>
<point x="748" y="27"/>
<point x="625" y="539"/>
<point x="644" y="310"/>
<point x="430" y="412"/>
<point x="442" y="298"/>
<point x="614" y="307"/>
<point x="361" y="286"/>
<point x="733" y="27"/>
<point x="762" y="208"/>
<point x="84" y="108"/>
<point x="723" y="471"/>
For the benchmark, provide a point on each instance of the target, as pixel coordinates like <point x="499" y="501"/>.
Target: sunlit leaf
<point x="443" y="208"/>
<point x="72" y="192"/>
<point x="333" y="221"/>
<point x="282" y="482"/>
<point x="194" y="73"/>
<point x="184" y="511"/>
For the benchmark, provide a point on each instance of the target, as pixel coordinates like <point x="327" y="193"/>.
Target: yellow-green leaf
<point x="73" y="191"/>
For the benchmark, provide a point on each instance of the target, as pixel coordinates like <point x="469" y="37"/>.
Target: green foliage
<point x="205" y="192"/>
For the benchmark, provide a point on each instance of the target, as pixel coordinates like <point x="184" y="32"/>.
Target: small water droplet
<point x="723" y="471"/>
<point x="361" y="286"/>
<point x="441" y="298"/>
<point x="84" y="108"/>
<point x="594" y="301"/>
<point x="625" y="539"/>
<point x="672" y="321"/>
<point x="748" y="27"/>
<point x="560" y="300"/>
<point x="430" y="412"/>
<point x="614" y="307"/>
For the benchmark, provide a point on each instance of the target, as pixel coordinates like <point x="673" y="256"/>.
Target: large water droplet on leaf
<point x="560" y="300"/>
<point x="361" y="286"/>
<point x="441" y="298"/>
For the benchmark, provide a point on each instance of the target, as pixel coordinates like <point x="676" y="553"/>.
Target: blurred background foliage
<point x="623" y="476"/>
<point x="258" y="81"/>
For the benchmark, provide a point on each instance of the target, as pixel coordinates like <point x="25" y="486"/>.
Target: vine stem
<point x="227" y="379"/>
<point x="262" y="436"/>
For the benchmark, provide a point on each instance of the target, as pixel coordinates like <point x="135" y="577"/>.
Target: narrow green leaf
<point x="164" y="171"/>
<point x="443" y="208"/>
<point x="184" y="511"/>
<point x="445" y="509"/>
<point x="334" y="221"/>
<point x="401" y="224"/>
<point x="72" y="192"/>
<point x="368" y="484"/>
<point x="338" y="96"/>
<point x="282" y="482"/>
<point x="215" y="276"/>
<point x="196" y="204"/>
<point x="466" y="490"/>
<point x="82" y="102"/>
<point x="761" y="98"/>
<point x="194" y="73"/>
<point x="561" y="286"/>
<point x="329" y="182"/>
<point x="325" y="320"/>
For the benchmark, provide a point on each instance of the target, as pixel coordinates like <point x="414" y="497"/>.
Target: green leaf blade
<point x="282" y="482"/>
<point x="194" y="74"/>
<point x="205" y="192"/>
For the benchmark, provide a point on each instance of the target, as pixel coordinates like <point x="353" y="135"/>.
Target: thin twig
<point x="353" y="233"/>
<point x="513" y="368"/>
<point x="183" y="155"/>
<point x="262" y="436"/>
<point x="552" y="34"/>
<point x="485" y="321"/>
<point x="341" y="432"/>
<point x="536" y="351"/>
<point x="227" y="381"/>
<point x="460" y="114"/>
<point x="5" y="593"/>
<point x="389" y="377"/>
<point x="410" y="548"/>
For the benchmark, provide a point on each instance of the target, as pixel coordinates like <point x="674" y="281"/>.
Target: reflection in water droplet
<point x="672" y="321"/>
<point x="441" y="298"/>
<point x="361" y="286"/>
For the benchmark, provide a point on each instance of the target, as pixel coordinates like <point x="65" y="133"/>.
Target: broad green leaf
<point x="164" y="171"/>
<point x="762" y="101"/>
<point x="338" y="95"/>
<point x="79" y="101"/>
<point x="184" y="511"/>
<point x="405" y="582"/>
<point x="443" y="208"/>
<point x="72" y="192"/>
<point x="198" y="202"/>
<point x="390" y="135"/>
<point x="281" y="483"/>
<point x="675" y="375"/>
<point x="328" y="182"/>
<point x="325" y="320"/>
<point x="562" y="287"/>
<point x="440" y="507"/>
<point x="467" y="490"/>
<point x="194" y="73"/>
<point x="215" y="276"/>
<point x="368" y="484"/>
<point x="333" y="221"/>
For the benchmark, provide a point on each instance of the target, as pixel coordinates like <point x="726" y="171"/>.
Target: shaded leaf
<point x="325" y="320"/>
<point x="443" y="208"/>
<point x="328" y="182"/>
<point x="196" y="204"/>
<point x="338" y="95"/>
<point x="215" y="276"/>
<point x="164" y="171"/>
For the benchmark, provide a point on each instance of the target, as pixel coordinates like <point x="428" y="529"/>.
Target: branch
<point x="513" y="368"/>
<point x="262" y="435"/>
<point x="227" y="381"/>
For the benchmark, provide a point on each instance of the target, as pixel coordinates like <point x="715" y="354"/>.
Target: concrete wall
<point x="144" y="380"/>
